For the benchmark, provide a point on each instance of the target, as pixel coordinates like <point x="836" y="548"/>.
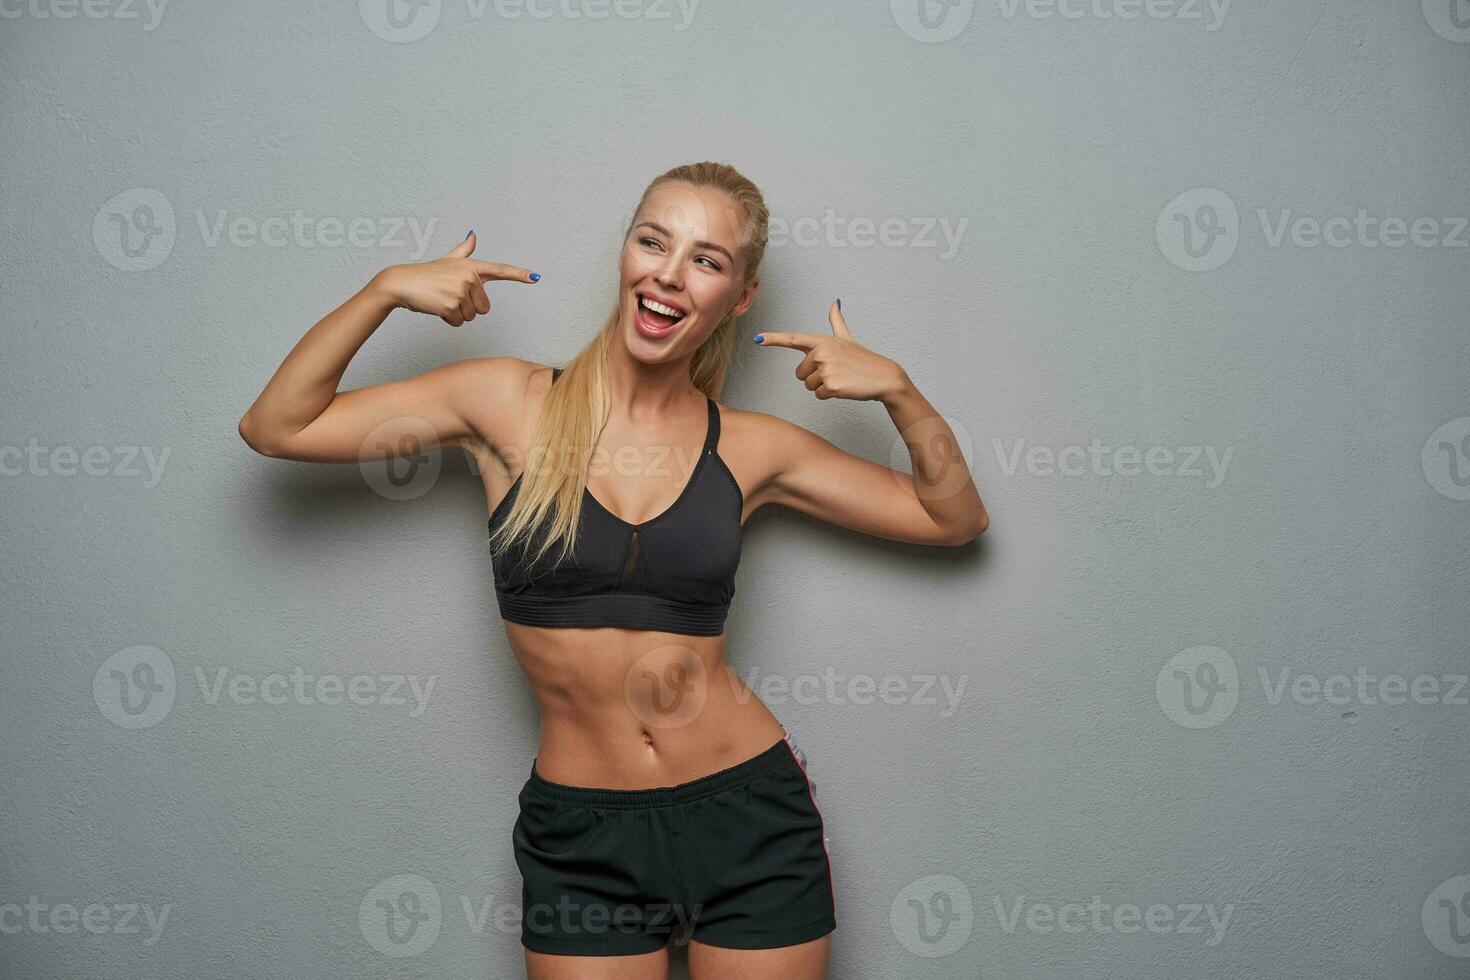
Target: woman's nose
<point x="668" y="275"/>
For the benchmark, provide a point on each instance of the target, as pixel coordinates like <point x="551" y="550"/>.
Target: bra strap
<point x="712" y="441"/>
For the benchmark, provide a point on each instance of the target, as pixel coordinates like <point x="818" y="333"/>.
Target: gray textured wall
<point x="1193" y="708"/>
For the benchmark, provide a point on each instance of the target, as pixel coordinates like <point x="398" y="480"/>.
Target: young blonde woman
<point x="664" y="798"/>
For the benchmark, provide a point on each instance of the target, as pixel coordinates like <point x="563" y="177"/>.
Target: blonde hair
<point x="576" y="407"/>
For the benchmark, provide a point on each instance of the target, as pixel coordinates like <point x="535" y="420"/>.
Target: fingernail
<point x="839" y="304"/>
<point x="535" y="277"/>
<point x="759" y="337"/>
<point x="468" y="234"/>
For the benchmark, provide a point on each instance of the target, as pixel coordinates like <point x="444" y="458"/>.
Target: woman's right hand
<point x="451" y="288"/>
<point x="301" y="414"/>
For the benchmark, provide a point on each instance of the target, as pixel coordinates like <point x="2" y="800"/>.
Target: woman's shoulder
<point x="496" y="392"/>
<point x="511" y="376"/>
<point x="757" y="445"/>
<point x="755" y="426"/>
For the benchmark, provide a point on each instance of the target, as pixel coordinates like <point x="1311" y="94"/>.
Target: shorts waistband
<point x="635" y="799"/>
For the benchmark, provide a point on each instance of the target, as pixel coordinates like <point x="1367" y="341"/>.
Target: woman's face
<point x="683" y="256"/>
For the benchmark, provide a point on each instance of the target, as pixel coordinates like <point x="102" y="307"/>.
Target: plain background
<point x="1022" y="829"/>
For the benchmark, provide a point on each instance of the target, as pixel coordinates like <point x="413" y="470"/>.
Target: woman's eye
<point x="655" y="243"/>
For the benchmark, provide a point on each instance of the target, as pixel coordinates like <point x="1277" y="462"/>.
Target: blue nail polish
<point x="839" y="304"/>
<point x="759" y="337"/>
<point x="535" y="277"/>
<point x="468" y="234"/>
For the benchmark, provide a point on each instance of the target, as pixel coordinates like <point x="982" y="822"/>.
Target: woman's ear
<point x="747" y="296"/>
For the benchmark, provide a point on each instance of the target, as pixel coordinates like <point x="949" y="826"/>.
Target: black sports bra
<point x="674" y="573"/>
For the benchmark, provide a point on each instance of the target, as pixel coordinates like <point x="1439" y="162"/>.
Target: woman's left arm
<point x="937" y="504"/>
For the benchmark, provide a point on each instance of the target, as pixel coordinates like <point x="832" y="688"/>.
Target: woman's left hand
<point x="836" y="366"/>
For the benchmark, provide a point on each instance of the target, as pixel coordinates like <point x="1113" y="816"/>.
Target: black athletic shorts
<point x="736" y="858"/>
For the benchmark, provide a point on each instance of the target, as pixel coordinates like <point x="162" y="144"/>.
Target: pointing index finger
<point x="798" y="341"/>
<point x="499" y="270"/>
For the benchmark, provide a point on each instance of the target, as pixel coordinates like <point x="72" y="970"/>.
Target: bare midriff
<point x="636" y="709"/>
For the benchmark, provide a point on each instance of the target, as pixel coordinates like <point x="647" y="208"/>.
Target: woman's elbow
<point x="249" y="431"/>
<point x="970" y="533"/>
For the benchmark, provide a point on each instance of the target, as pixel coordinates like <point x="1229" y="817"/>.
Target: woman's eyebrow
<point x="711" y="246"/>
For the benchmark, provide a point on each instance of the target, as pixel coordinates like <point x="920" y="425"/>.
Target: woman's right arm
<point x="301" y="415"/>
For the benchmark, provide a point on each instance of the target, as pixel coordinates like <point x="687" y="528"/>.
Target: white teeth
<point x="660" y="308"/>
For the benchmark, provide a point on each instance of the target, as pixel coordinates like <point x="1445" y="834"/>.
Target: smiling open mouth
<point x="657" y="318"/>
